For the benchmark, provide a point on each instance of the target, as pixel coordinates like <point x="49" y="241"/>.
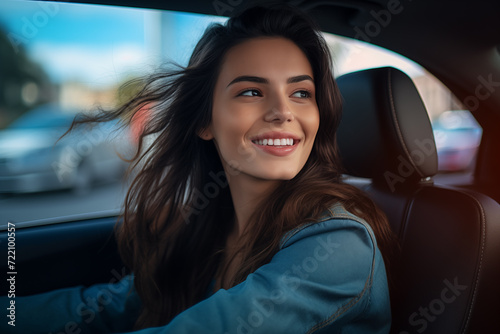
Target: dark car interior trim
<point x="64" y="219"/>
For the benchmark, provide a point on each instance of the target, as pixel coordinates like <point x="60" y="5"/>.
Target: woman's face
<point x="265" y="116"/>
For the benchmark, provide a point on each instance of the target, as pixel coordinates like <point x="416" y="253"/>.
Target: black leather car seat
<point x="447" y="277"/>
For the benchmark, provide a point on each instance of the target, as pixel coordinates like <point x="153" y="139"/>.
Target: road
<point x="27" y="207"/>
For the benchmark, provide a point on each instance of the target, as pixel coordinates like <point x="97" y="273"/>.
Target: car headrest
<point x="385" y="133"/>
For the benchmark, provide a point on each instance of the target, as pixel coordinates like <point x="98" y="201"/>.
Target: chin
<point x="281" y="176"/>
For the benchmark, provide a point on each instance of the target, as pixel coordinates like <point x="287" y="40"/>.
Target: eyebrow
<point x="255" y="79"/>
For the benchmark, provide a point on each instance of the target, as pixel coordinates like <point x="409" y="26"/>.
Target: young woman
<point x="238" y="221"/>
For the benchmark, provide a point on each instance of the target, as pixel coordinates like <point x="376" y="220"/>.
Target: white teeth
<point x="275" y="142"/>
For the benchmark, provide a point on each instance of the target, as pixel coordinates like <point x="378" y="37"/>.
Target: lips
<point x="276" y="143"/>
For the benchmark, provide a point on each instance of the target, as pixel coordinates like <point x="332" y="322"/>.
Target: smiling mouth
<point x="279" y="147"/>
<point x="276" y="142"/>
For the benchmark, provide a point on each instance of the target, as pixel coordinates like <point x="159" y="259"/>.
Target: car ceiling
<point x="458" y="41"/>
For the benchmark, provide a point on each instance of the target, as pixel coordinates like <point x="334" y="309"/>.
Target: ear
<point x="206" y="134"/>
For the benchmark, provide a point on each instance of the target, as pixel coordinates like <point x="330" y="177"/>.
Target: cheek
<point x="311" y="124"/>
<point x="230" y="126"/>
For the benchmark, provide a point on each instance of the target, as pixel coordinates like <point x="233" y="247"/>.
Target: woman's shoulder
<point x="348" y="239"/>
<point x="335" y="219"/>
<point x="339" y="250"/>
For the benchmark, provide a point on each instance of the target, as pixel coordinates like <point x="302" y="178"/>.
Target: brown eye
<point x="250" y="92"/>
<point x="303" y="94"/>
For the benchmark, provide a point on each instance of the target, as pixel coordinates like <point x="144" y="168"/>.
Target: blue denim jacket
<point x="327" y="277"/>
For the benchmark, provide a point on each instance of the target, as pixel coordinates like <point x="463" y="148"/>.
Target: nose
<point x="279" y="111"/>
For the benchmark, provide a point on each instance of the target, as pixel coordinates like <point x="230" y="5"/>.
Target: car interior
<point x="446" y="276"/>
<point x="446" y="234"/>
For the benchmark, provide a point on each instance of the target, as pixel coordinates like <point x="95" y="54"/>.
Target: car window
<point x="59" y="59"/>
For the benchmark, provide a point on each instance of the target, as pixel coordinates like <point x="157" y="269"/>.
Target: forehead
<point x="266" y="57"/>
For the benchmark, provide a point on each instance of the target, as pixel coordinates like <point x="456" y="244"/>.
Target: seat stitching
<point x="483" y="241"/>
<point x="398" y="130"/>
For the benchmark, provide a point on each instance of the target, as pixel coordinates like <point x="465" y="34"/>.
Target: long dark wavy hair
<point x="178" y="211"/>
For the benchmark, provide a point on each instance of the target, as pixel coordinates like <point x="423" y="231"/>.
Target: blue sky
<point x="69" y="23"/>
<point x="98" y="45"/>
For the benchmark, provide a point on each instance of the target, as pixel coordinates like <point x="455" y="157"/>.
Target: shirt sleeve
<point x="101" y="308"/>
<point x="319" y="281"/>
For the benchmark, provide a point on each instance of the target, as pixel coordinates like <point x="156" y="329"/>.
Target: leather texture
<point x="447" y="276"/>
<point x="385" y="129"/>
